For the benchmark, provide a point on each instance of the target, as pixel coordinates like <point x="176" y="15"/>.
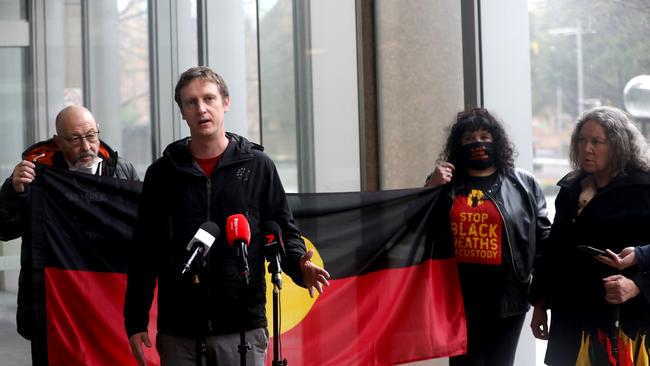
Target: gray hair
<point x="629" y="146"/>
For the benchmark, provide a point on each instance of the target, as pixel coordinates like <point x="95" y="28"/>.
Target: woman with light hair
<point x="599" y="314"/>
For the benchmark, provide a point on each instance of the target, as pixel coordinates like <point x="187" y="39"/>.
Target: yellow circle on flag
<point x="295" y="302"/>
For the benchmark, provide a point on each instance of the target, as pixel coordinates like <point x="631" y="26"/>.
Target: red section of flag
<point x="623" y="350"/>
<point x="382" y="318"/>
<point x="85" y="322"/>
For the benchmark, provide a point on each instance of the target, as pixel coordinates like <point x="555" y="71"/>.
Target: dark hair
<point x="628" y="146"/>
<point x="473" y="120"/>
<point x="199" y="72"/>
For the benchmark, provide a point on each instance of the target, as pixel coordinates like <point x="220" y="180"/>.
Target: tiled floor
<point x="14" y="350"/>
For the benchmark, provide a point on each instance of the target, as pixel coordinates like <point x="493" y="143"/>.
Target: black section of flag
<point x="362" y="232"/>
<point x="87" y="220"/>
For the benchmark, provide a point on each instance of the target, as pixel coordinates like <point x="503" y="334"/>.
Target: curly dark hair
<point x="472" y="120"/>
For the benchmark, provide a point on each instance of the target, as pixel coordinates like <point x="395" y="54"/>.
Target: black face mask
<point x="478" y="155"/>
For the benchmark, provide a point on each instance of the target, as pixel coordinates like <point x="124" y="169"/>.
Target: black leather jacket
<point x="522" y="206"/>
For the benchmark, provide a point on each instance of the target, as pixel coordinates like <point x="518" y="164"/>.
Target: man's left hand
<point x="622" y="260"/>
<point x="313" y="275"/>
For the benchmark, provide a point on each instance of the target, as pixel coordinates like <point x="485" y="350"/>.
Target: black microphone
<point x="238" y="235"/>
<point x="274" y="251"/>
<point x="201" y="242"/>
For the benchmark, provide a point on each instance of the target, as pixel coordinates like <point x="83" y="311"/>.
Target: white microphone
<point x="201" y="243"/>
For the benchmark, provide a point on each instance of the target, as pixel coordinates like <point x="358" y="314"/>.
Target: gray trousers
<point x="219" y="349"/>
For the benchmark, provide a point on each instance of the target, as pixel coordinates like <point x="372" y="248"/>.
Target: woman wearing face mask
<point x="495" y="215"/>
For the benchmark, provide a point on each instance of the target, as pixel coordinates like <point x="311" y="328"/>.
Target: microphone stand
<point x="276" y="279"/>
<point x="243" y="346"/>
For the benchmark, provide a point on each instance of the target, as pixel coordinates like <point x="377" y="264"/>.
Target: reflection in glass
<point x="582" y="56"/>
<point x="187" y="35"/>
<point x="71" y="54"/>
<point x="12" y="105"/>
<point x="277" y="81"/>
<point x="134" y="113"/>
<point x="13" y="10"/>
<point x="13" y="89"/>
<point x="252" y="75"/>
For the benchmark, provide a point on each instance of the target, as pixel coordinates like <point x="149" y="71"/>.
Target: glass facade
<point x="13" y="10"/>
<point x="14" y="101"/>
<point x="13" y="98"/>
<point x="13" y="88"/>
<point x="277" y="87"/>
<point x="582" y="56"/>
<point x="134" y="121"/>
<point x="294" y="69"/>
<point x="117" y="72"/>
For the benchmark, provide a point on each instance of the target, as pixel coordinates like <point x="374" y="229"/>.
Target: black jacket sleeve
<point x="11" y="206"/>
<point x="277" y="209"/>
<point x="642" y="255"/>
<point x="642" y="277"/>
<point x="543" y="266"/>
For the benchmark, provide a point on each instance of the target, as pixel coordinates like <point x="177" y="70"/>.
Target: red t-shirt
<point x="208" y="165"/>
<point x="477" y="228"/>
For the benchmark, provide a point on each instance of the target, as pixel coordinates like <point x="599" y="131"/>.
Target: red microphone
<point x="238" y="236"/>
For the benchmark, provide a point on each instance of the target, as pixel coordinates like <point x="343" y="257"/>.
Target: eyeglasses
<point x="92" y="137"/>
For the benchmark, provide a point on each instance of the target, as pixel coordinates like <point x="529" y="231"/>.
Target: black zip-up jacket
<point x="14" y="215"/>
<point x="522" y="206"/>
<point x="177" y="198"/>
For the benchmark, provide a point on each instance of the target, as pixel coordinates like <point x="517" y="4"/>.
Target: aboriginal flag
<point x="394" y="294"/>
<point x="81" y="236"/>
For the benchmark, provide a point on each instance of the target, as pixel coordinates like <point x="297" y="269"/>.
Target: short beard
<point x="79" y="164"/>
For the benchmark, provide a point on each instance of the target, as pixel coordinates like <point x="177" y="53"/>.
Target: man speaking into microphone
<point x="204" y="305"/>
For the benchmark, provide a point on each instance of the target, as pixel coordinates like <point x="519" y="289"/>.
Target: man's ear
<point x="58" y="140"/>
<point x="226" y="103"/>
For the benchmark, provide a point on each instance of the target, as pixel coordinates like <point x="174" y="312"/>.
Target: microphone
<point x="201" y="243"/>
<point x="274" y="250"/>
<point x="238" y="235"/>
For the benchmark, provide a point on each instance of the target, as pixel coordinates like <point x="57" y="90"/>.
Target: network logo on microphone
<point x="237" y="229"/>
<point x="238" y="236"/>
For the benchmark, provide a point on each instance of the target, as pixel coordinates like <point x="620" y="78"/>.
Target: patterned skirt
<point x="615" y="348"/>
